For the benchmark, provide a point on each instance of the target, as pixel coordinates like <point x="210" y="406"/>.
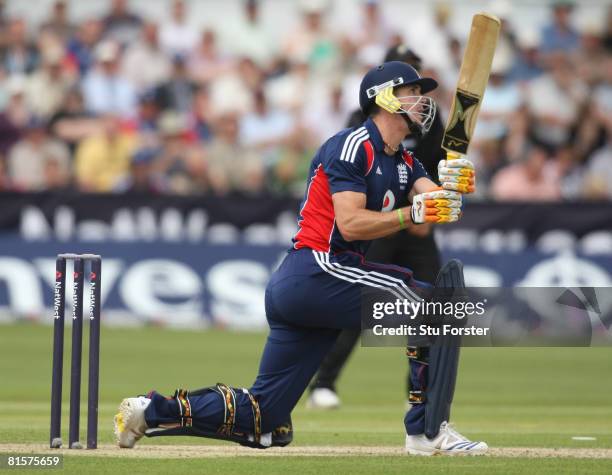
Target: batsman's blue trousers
<point x="309" y="299"/>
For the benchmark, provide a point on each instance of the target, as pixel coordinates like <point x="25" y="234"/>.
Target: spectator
<point x="141" y="177"/>
<point x="528" y="65"/>
<point x="103" y="159"/>
<point x="47" y="87"/>
<point x="373" y="31"/>
<point x="431" y="37"/>
<point x="177" y="36"/>
<point x="121" y="25"/>
<point x="19" y="56"/>
<point x="105" y="90"/>
<point x="232" y="166"/>
<point x="329" y="117"/>
<point x="201" y="115"/>
<point x="234" y="90"/>
<point x="207" y="62"/>
<point x="72" y="123"/>
<point x="535" y="178"/>
<point x="265" y="129"/>
<point x="81" y="46"/>
<point x="177" y="93"/>
<point x="144" y="63"/>
<point x="554" y="101"/>
<point x="36" y="158"/>
<point x="249" y="37"/>
<point x="598" y="175"/>
<point x="16" y="114"/>
<point x="501" y="101"/>
<point x="181" y="164"/>
<point x="560" y="34"/>
<point x="147" y="119"/>
<point x="58" y="22"/>
<point x="5" y="180"/>
<point x="312" y="41"/>
<point x="592" y="57"/>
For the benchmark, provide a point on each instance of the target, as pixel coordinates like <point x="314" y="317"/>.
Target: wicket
<point x="59" y="297"/>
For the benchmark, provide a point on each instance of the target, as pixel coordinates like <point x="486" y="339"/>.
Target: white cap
<point x="313" y="6"/>
<point x="107" y="51"/>
<point x="16" y="84"/>
<point x="528" y="38"/>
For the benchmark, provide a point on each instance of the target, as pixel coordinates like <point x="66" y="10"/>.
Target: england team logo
<point x="402" y="170"/>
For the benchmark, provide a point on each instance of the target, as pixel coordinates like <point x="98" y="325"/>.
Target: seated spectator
<point x="105" y="90"/>
<point x="207" y="62"/>
<point x="179" y="163"/>
<point x="141" y="177"/>
<point x="327" y="117"/>
<point x="312" y="40"/>
<point x="144" y="63"/>
<point x="500" y="103"/>
<point x="232" y="166"/>
<point x="598" y="174"/>
<point x="248" y="36"/>
<point x="177" y="93"/>
<point x="58" y="22"/>
<point x="528" y="64"/>
<point x="104" y="158"/>
<point x="201" y="114"/>
<point x="48" y="86"/>
<point x="36" y="158"/>
<point x="121" y="25"/>
<point x="560" y="36"/>
<point x="591" y="62"/>
<point x="177" y="35"/>
<point x="19" y="55"/>
<point x="82" y="45"/>
<point x="266" y="128"/>
<point x="535" y="178"/>
<point x="147" y="119"/>
<point x="15" y="115"/>
<point x="554" y="101"/>
<point x="72" y="123"/>
<point x="5" y="179"/>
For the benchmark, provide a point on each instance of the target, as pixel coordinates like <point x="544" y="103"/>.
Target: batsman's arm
<point x="356" y="223"/>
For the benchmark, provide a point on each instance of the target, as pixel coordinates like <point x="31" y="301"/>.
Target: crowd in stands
<point x="130" y="102"/>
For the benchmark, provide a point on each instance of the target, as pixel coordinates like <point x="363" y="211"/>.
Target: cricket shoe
<point x="129" y="422"/>
<point x="447" y="442"/>
<point x="323" y="398"/>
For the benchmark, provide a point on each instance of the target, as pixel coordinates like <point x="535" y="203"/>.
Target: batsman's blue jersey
<point x="352" y="160"/>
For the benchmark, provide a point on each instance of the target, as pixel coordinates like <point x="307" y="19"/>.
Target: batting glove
<point x="457" y="175"/>
<point x="440" y="206"/>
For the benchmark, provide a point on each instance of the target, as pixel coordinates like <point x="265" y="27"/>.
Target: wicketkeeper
<point x="360" y="187"/>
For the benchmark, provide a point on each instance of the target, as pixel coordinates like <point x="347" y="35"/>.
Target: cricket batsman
<point x="362" y="185"/>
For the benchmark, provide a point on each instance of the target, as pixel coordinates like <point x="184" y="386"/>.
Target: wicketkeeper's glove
<point x="440" y="206"/>
<point x="457" y="175"/>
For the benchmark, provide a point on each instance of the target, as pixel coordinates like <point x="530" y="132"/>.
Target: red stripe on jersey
<point x="370" y="155"/>
<point x="316" y="216"/>
<point x="408" y="158"/>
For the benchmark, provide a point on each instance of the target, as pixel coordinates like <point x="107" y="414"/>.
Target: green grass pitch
<point x="524" y="397"/>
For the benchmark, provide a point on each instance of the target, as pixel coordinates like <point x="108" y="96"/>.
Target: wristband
<point x="401" y="218"/>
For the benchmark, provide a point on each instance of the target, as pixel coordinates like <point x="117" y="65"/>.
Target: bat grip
<point x="452" y="155"/>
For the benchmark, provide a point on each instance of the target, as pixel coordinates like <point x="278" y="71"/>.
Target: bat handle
<point x="452" y="155"/>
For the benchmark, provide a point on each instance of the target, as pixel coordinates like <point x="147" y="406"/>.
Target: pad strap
<point x="256" y="416"/>
<point x="184" y="404"/>
<point x="229" y="400"/>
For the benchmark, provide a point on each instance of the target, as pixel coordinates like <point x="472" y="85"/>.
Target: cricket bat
<point x="473" y="78"/>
